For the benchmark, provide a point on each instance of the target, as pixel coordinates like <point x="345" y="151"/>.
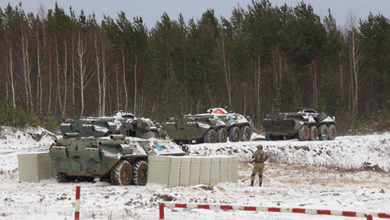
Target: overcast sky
<point x="151" y="10"/>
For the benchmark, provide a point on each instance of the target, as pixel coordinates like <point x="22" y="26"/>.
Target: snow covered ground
<point x="319" y="175"/>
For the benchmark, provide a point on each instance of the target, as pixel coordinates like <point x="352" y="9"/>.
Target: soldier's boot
<point x="260" y="179"/>
<point x="252" y="181"/>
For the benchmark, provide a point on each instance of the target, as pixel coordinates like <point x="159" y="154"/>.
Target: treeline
<point x="55" y="63"/>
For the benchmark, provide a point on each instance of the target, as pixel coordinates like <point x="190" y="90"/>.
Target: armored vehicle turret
<point x="124" y="123"/>
<point x="306" y="124"/>
<point x="214" y="126"/>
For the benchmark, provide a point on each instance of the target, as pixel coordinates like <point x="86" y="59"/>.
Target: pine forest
<point x="59" y="63"/>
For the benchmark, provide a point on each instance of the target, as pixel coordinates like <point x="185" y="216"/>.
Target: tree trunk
<point x="73" y="72"/>
<point x="39" y="79"/>
<point x="135" y="83"/>
<point x="104" y="80"/>
<point x="28" y="71"/>
<point x="124" y="78"/>
<point x="49" y="102"/>
<point x="24" y="58"/>
<point x="63" y="113"/>
<point x="227" y="73"/>
<point x="98" y="77"/>
<point x="58" y="77"/>
<point x="315" y="90"/>
<point x="11" y="73"/>
<point x="81" y="52"/>
<point x="355" y="72"/>
<point x="117" y="88"/>
<point x="341" y="71"/>
<point x="257" y="83"/>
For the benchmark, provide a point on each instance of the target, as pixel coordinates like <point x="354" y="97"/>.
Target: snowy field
<point x="318" y="175"/>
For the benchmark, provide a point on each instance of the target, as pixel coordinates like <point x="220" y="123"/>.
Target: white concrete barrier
<point x="192" y="170"/>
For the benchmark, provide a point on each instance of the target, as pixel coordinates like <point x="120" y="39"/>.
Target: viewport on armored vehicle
<point x="101" y="147"/>
<point x="214" y="126"/>
<point x="306" y="124"/>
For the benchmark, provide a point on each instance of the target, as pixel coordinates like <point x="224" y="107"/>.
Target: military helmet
<point x="260" y="147"/>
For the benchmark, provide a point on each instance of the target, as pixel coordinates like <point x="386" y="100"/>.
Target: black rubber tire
<point x="122" y="173"/>
<point x="332" y="132"/>
<point x="140" y="173"/>
<point x="234" y="134"/>
<point x="313" y="133"/>
<point x="323" y="132"/>
<point x="245" y="133"/>
<point x="222" y="135"/>
<point x="63" y="178"/>
<point x="210" y="136"/>
<point x="304" y="133"/>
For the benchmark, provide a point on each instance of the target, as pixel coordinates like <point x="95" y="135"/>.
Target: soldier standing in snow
<point x="258" y="157"/>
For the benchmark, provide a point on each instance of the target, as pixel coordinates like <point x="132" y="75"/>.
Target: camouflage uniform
<point x="259" y="157"/>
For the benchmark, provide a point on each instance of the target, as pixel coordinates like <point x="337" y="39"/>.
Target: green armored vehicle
<point x="119" y="159"/>
<point x="214" y="126"/>
<point x="306" y="124"/>
<point x="124" y="123"/>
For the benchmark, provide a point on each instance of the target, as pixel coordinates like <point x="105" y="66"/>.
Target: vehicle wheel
<point x="210" y="136"/>
<point x="304" y="133"/>
<point x="323" y="132"/>
<point x="234" y="134"/>
<point x="63" y="178"/>
<point x="140" y="173"/>
<point x="122" y="173"/>
<point x="245" y="133"/>
<point x="332" y="132"/>
<point x="313" y="133"/>
<point x="222" y="135"/>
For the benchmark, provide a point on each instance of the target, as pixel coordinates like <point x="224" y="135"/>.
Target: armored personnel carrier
<point x="124" y="123"/>
<point x="119" y="159"/>
<point x="214" y="126"/>
<point x="115" y="148"/>
<point x="306" y="124"/>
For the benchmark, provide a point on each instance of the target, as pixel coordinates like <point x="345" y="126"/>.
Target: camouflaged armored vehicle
<point x="306" y="124"/>
<point x="119" y="159"/>
<point x="124" y="123"/>
<point x="214" y="126"/>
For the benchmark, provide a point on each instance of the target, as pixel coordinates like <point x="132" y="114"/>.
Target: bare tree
<point x="104" y="79"/>
<point x="315" y="89"/>
<point x="65" y="79"/>
<point x="354" y="63"/>
<point x="135" y="83"/>
<point x="124" y="78"/>
<point x="73" y="72"/>
<point x="58" y="77"/>
<point x="11" y="73"/>
<point x="98" y="76"/>
<point x="39" y="77"/>
<point x="117" y="87"/>
<point x="227" y="71"/>
<point x="26" y="68"/>
<point x="81" y="49"/>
